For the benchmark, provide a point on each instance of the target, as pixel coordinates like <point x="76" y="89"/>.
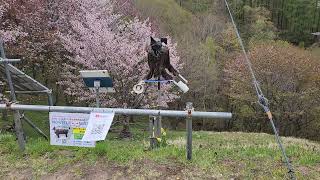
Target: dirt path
<point x="144" y="169"/>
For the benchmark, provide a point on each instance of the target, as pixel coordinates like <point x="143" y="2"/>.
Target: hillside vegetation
<point x="224" y="155"/>
<point x="217" y="72"/>
<point x="57" y="38"/>
<point x="206" y="45"/>
<point x="295" y="19"/>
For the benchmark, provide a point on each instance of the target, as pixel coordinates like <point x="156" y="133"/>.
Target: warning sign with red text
<point x="98" y="126"/>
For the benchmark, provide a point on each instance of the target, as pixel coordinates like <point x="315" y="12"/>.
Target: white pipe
<point x="5" y="60"/>
<point x="169" y="113"/>
<point x="184" y="79"/>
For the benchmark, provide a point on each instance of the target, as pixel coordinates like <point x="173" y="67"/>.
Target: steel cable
<point x="263" y="102"/>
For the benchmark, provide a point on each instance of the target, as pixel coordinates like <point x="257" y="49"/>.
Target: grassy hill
<point x="316" y="51"/>
<point x="216" y="155"/>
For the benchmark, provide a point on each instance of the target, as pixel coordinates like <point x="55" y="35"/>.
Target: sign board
<point x="67" y="129"/>
<point x="98" y="126"/>
<point x="101" y="76"/>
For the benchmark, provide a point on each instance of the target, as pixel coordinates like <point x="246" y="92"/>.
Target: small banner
<point x="68" y="129"/>
<point x="98" y="126"/>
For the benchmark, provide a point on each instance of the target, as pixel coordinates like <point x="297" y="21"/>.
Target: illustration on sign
<point x="68" y="129"/>
<point x="98" y="126"/>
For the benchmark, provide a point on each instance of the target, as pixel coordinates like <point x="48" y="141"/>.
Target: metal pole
<point x="158" y="126"/>
<point x="97" y="98"/>
<point x="35" y="127"/>
<point x="151" y="131"/>
<point x="3" y="55"/>
<point x="17" y="119"/>
<point x="50" y="101"/>
<point x="97" y="87"/>
<point x="12" y="94"/>
<point x="118" y="111"/>
<point x="3" y="60"/>
<point x="158" y="119"/>
<point x="30" y="92"/>
<point x="189" y="108"/>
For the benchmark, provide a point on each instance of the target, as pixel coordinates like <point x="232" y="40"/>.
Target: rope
<point x="263" y="102"/>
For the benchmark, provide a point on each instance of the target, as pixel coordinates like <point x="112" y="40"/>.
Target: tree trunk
<point x="5" y="116"/>
<point x="57" y="94"/>
<point x="125" y="132"/>
<point x="4" y="119"/>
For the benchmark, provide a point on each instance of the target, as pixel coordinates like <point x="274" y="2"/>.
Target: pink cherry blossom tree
<point x="8" y="30"/>
<point x="100" y="39"/>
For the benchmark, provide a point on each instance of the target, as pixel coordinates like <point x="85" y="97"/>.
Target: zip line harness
<point x="263" y="102"/>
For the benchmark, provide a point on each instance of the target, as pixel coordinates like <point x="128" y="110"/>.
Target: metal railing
<point x="188" y="114"/>
<point x="151" y="112"/>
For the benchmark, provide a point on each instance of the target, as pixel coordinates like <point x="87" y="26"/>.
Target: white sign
<point x="67" y="129"/>
<point x="98" y="126"/>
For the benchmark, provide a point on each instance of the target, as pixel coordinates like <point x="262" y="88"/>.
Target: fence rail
<point x="168" y="113"/>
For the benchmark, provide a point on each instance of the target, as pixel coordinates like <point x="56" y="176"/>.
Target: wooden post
<point x="158" y="126"/>
<point x="189" y="108"/>
<point x="19" y="130"/>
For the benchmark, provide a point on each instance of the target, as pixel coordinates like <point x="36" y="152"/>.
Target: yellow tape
<point x="269" y="115"/>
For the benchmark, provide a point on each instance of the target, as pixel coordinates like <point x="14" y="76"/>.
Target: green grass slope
<point x="316" y="51"/>
<point x="215" y="156"/>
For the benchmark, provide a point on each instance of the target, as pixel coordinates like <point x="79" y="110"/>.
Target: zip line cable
<point x="263" y="102"/>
